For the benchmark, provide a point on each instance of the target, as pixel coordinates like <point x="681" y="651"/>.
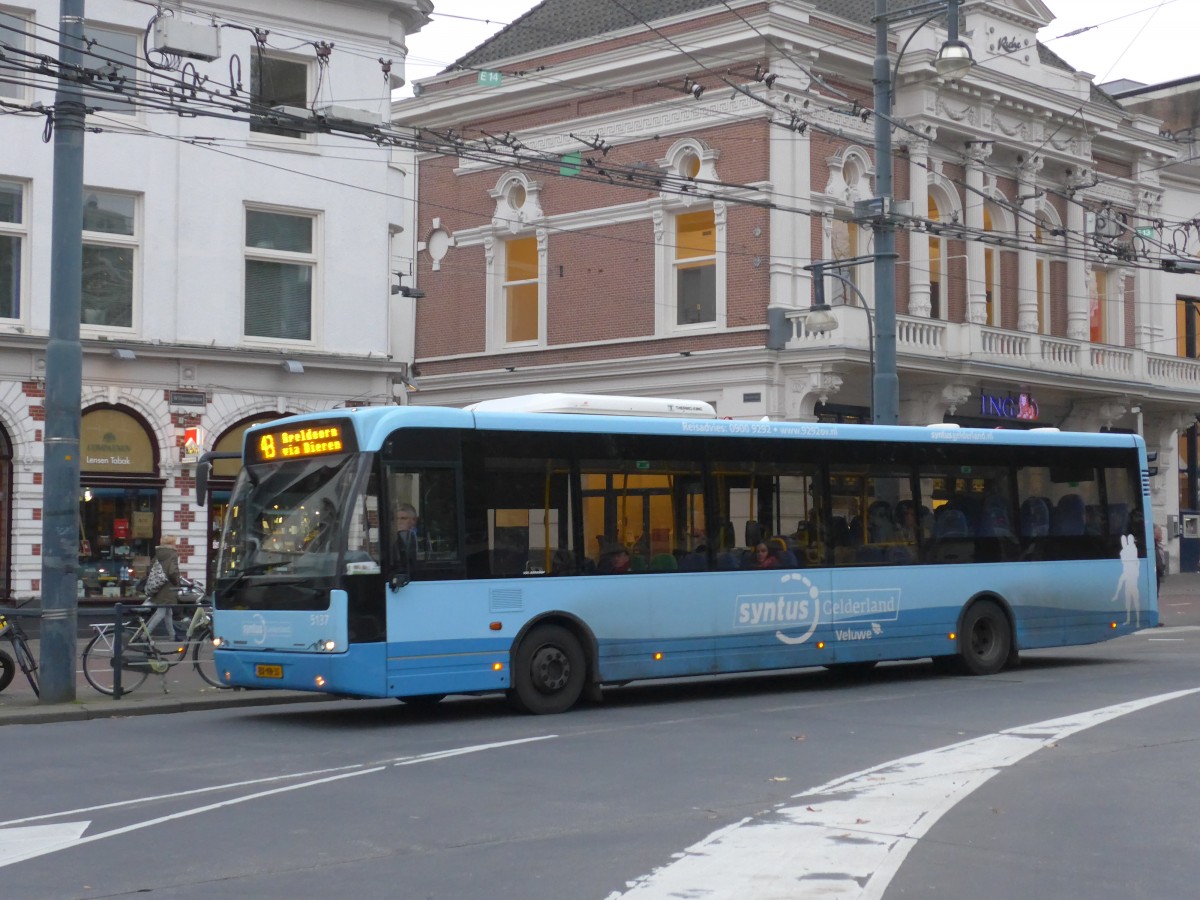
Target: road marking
<point x="19" y="844"/>
<point x="848" y="838"/>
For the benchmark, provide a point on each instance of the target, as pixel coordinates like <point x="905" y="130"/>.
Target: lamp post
<point x="954" y="58"/>
<point x="821" y="320"/>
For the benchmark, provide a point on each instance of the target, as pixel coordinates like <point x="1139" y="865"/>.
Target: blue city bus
<point x="549" y="545"/>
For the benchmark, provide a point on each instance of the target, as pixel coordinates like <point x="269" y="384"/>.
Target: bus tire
<point x="549" y="671"/>
<point x="985" y="640"/>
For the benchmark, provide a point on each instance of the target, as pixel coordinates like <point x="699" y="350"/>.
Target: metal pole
<point x="64" y="376"/>
<point x="866" y="307"/>
<point x="886" y="384"/>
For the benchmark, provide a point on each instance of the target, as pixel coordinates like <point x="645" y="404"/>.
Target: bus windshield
<point x="288" y="519"/>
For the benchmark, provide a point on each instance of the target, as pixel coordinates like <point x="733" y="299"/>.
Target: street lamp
<point x="820" y="318"/>
<point x="953" y="60"/>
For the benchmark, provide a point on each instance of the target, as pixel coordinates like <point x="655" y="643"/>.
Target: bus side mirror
<point x="204" y="470"/>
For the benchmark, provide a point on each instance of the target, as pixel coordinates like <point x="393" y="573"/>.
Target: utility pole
<point x="886" y="388"/>
<point x="64" y="375"/>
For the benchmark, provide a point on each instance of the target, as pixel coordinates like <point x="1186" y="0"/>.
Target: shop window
<point x="117" y="527"/>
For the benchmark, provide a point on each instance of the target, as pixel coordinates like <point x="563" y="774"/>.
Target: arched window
<point x="516" y="262"/>
<point x="690" y="236"/>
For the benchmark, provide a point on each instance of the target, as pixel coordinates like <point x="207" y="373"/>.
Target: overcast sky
<point x="1142" y="40"/>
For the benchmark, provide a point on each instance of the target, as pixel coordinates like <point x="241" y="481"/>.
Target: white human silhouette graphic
<point x="1129" y="580"/>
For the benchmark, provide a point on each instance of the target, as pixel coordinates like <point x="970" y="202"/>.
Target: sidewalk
<point x="186" y="691"/>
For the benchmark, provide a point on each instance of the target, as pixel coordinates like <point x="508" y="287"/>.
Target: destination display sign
<point x="323" y="437"/>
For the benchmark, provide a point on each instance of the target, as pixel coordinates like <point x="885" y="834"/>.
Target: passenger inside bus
<point x="614" y="560"/>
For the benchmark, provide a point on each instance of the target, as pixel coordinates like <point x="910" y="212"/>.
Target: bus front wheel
<point x="548" y="671"/>
<point x="985" y="641"/>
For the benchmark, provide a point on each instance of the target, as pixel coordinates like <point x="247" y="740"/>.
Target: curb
<point x="78" y="711"/>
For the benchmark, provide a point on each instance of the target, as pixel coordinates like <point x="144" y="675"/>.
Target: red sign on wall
<point x="121" y="529"/>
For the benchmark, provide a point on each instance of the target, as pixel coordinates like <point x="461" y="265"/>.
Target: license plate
<point x="262" y="671"/>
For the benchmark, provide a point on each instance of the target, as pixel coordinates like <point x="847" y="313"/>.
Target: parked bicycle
<point x="143" y="653"/>
<point x="21" y="656"/>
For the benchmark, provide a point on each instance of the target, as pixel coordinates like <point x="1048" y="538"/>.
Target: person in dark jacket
<point x="167" y="595"/>
<point x="1160" y="554"/>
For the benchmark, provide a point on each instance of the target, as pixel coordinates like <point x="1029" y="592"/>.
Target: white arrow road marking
<point x="848" y="838"/>
<point x="19" y="844"/>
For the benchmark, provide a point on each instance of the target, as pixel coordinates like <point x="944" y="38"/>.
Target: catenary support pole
<point x="886" y="382"/>
<point x="64" y="375"/>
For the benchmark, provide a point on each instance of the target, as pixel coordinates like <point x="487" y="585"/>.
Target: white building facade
<point x="237" y="263"/>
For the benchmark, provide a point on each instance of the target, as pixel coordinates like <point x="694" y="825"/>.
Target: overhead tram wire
<point x="212" y="97"/>
<point x="169" y="108"/>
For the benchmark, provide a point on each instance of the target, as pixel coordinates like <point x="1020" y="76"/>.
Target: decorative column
<point x="977" y="154"/>
<point x="918" y="243"/>
<point x="1148" y="310"/>
<point x="1027" y="283"/>
<point x="1078" y="295"/>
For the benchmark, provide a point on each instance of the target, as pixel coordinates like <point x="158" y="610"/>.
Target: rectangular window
<point x="844" y="242"/>
<point x="14" y="31"/>
<point x="521" y="290"/>
<point x="695" y="268"/>
<point x="280" y="268"/>
<point x="275" y="81"/>
<point x="110" y="245"/>
<point x="12" y="247"/>
<point x="113" y="56"/>
<point x="875" y="515"/>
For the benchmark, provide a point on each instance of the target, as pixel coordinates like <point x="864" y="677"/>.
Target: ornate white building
<point x="635" y="200"/>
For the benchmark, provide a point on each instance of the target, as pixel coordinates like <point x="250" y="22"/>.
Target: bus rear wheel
<point x="548" y="672"/>
<point x="985" y="642"/>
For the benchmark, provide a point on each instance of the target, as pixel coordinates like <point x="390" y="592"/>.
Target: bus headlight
<point x="328" y="646"/>
<point x="218" y="642"/>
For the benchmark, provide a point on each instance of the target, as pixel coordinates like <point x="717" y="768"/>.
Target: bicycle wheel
<point x="27" y="663"/>
<point x="202" y="659"/>
<point x="7" y="668"/>
<point x="98" y="661"/>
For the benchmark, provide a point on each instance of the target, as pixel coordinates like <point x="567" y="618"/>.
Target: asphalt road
<point x="1071" y="776"/>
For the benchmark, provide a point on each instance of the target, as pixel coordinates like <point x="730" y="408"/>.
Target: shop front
<point x="120" y="503"/>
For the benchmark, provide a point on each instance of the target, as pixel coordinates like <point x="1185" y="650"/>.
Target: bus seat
<point x="754" y="533"/>
<point x="1035" y="517"/>
<point x="950" y="524"/>
<point x="728" y="562"/>
<point x="787" y="558"/>
<point x="696" y="561"/>
<point x="663" y="562"/>
<point x="994" y="522"/>
<point x="1069" y="515"/>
